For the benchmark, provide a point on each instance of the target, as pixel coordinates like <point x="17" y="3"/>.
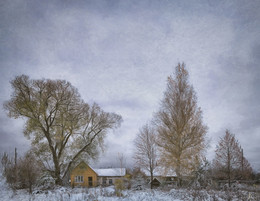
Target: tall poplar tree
<point x="181" y="132"/>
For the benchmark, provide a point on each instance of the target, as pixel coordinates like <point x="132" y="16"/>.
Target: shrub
<point x="119" y="187"/>
<point x="21" y="174"/>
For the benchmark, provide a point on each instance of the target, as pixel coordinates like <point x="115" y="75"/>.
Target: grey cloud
<point x="119" y="54"/>
<point x="11" y="136"/>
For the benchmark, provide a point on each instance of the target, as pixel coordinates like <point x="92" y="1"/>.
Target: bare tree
<point x="62" y="127"/>
<point x="9" y="170"/>
<point x="229" y="161"/>
<point x="29" y="170"/>
<point x="138" y="180"/>
<point x="121" y="160"/>
<point x="245" y="170"/>
<point x="146" y="150"/>
<point x="22" y="173"/>
<point x="181" y="132"/>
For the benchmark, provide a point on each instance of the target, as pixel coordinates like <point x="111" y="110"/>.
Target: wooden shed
<point x="155" y="182"/>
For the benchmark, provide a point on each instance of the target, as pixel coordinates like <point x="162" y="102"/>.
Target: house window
<point x="110" y="181"/>
<point x="79" y="179"/>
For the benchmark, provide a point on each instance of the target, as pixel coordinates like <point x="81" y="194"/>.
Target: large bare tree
<point x="61" y="126"/>
<point x="146" y="150"/>
<point x="181" y="132"/>
<point x="229" y="162"/>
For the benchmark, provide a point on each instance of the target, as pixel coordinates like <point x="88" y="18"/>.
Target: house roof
<point x="106" y="172"/>
<point x="155" y="181"/>
<point x="111" y="172"/>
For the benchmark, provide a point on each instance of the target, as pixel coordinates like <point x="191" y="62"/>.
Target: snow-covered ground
<point x="63" y="194"/>
<point x="108" y="194"/>
<point x="67" y="194"/>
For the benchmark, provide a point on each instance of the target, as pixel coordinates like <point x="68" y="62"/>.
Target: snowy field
<point x="108" y="194"/>
<point x="65" y="194"/>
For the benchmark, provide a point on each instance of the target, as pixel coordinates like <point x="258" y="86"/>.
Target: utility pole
<point x="15" y="157"/>
<point x="242" y="163"/>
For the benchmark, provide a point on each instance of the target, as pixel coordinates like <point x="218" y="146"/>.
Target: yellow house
<point x="83" y="175"/>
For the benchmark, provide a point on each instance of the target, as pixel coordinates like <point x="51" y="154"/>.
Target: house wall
<point x="83" y="170"/>
<point x="106" y="183"/>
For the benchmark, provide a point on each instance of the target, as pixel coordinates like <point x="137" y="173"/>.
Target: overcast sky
<point x="119" y="54"/>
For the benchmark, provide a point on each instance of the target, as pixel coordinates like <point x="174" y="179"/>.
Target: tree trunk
<point x="229" y="168"/>
<point x="178" y="179"/>
<point x="151" y="179"/>
<point x="58" y="180"/>
<point x="30" y="187"/>
<point x="178" y="169"/>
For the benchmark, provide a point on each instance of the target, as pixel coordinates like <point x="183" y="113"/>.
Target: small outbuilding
<point x="155" y="182"/>
<point x="162" y="177"/>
